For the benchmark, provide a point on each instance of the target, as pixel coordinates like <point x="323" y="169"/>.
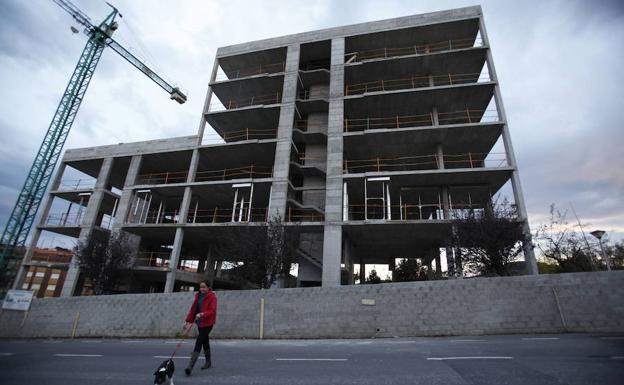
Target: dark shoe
<point x="189" y="368"/>
<point x="208" y="363"/>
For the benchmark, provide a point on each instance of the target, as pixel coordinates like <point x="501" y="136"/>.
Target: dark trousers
<point x="203" y="340"/>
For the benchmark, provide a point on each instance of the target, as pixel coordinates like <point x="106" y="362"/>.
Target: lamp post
<point x="599" y="234"/>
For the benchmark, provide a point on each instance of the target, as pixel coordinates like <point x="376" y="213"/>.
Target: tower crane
<point x="23" y="214"/>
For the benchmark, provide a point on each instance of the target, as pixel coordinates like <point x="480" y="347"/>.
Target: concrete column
<point x="438" y="269"/>
<point x="434" y="116"/>
<point x="279" y="190"/>
<point x="440" y="157"/>
<point x="362" y="271"/>
<point x="202" y="120"/>
<point x="89" y="221"/>
<point x="125" y="201"/>
<point x="43" y="216"/>
<point x="178" y="240"/>
<point x="174" y="259"/>
<point x="450" y="262"/>
<point x="332" y="239"/>
<point x="529" y="255"/>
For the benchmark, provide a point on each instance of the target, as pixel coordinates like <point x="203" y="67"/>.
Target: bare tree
<point x="104" y="259"/>
<point x="263" y="254"/>
<point x="560" y="242"/>
<point x="489" y="239"/>
<point x="373" y="278"/>
<point x="410" y="269"/>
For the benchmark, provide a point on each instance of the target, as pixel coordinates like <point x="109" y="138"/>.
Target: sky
<point x="559" y="65"/>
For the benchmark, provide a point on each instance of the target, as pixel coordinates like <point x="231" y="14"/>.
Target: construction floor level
<point x="365" y="139"/>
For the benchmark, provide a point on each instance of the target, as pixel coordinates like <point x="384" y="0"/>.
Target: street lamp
<point x="599" y="234"/>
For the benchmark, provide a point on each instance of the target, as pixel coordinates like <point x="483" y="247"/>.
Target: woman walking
<point x="204" y="313"/>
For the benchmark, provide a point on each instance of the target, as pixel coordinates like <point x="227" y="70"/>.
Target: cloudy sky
<point x="560" y="65"/>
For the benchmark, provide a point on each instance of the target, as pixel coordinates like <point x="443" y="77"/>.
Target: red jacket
<point x="208" y="310"/>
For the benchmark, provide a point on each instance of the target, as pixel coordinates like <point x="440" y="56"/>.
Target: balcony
<point x="228" y="215"/>
<point x="415" y="82"/>
<point x="466" y="160"/>
<point x="422" y="49"/>
<point x="465" y="116"/>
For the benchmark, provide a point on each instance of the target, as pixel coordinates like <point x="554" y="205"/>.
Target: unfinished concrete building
<point x="365" y="139"/>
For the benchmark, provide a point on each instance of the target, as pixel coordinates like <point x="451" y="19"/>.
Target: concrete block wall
<point x="589" y="302"/>
<point x="317" y="122"/>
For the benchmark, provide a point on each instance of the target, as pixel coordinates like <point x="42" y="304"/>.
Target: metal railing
<point x="301" y="124"/>
<point x="402" y="212"/>
<point x="224" y="215"/>
<point x="152" y="259"/>
<point x="65" y="219"/>
<point x="260" y="69"/>
<point x="426" y="162"/>
<point x="250" y="172"/>
<point x="272" y="98"/>
<point x="415" y="82"/>
<point x="304" y="215"/>
<point x="476" y="160"/>
<point x="77" y="184"/>
<point x="422" y="49"/>
<point x="155" y="216"/>
<point x="162" y="177"/>
<point x="407" y="121"/>
<point x="315" y="65"/>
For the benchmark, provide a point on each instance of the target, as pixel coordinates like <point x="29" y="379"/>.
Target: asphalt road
<point x="517" y="359"/>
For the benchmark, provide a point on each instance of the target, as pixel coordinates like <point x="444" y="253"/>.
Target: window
<point x="51" y="287"/>
<point x="55" y="276"/>
<point x="29" y="274"/>
<point x="35" y="286"/>
<point x="39" y="274"/>
<point x="25" y="286"/>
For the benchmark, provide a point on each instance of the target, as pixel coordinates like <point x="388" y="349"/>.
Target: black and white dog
<point x="164" y="373"/>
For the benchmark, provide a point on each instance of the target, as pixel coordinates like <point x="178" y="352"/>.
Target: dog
<point x="164" y="372"/>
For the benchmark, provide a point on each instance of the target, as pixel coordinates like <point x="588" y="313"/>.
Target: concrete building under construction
<point x="365" y="139"/>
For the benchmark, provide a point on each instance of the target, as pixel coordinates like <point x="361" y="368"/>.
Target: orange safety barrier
<point x="415" y="82"/>
<point x="446" y="45"/>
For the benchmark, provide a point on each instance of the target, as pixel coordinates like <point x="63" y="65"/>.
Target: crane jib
<point x="23" y="214"/>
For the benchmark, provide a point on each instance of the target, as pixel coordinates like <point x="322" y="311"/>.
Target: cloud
<point x="559" y="65"/>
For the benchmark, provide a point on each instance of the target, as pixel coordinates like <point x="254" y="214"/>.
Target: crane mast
<point x="25" y="210"/>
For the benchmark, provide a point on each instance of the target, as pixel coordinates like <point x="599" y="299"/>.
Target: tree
<point x="616" y="255"/>
<point x="373" y="277"/>
<point x="104" y="259"/>
<point x="262" y="255"/>
<point x="558" y="241"/>
<point x="489" y="239"/>
<point x="410" y="269"/>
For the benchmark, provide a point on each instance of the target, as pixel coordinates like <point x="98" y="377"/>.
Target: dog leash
<point x="184" y="335"/>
